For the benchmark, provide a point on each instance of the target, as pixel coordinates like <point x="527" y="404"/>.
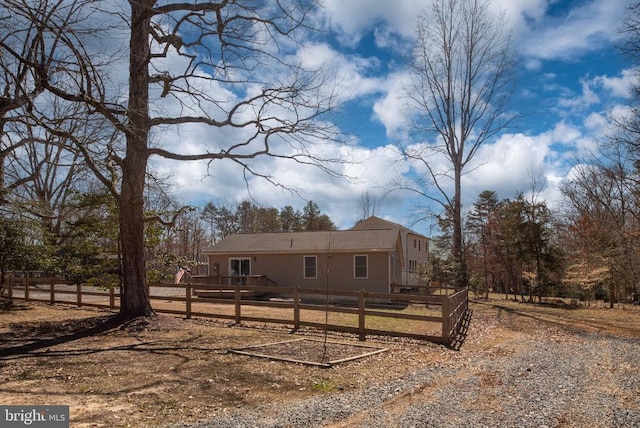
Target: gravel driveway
<point x="536" y="375"/>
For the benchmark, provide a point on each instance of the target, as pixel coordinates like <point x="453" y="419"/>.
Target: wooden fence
<point x="284" y="305"/>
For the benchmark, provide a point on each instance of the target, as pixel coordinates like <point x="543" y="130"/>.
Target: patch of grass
<point x="326" y="386"/>
<point x="23" y="375"/>
<point x="85" y="389"/>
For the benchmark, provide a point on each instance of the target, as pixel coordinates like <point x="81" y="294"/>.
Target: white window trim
<point x="304" y="267"/>
<point x="366" y="256"/>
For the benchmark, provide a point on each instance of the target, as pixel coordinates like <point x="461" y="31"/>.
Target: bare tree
<point x="25" y="48"/>
<point x="229" y="67"/>
<point x="46" y="170"/>
<point x="628" y="126"/>
<point x="367" y="205"/>
<point x="604" y="202"/>
<point x="462" y="73"/>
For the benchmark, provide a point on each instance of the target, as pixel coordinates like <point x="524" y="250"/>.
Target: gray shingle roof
<point x="318" y="242"/>
<point x="373" y="223"/>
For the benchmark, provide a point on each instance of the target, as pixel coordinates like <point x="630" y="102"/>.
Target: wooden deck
<point x="225" y="282"/>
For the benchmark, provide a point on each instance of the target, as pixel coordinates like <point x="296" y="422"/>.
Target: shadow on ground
<point x="462" y="332"/>
<point x="25" y="338"/>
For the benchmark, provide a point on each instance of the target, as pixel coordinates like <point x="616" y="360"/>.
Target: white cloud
<point x="374" y="170"/>
<point x="507" y="165"/>
<point x="519" y="13"/>
<point x="511" y="164"/>
<point x="586" y="27"/>
<point x="563" y="133"/>
<point x="595" y="122"/>
<point x="596" y="93"/>
<point x="551" y="194"/>
<point x="390" y="110"/>
<point x="582" y="102"/>
<point x="621" y="85"/>
<point x="348" y="73"/>
<point x="354" y="18"/>
<point x="568" y="142"/>
<point x="622" y="112"/>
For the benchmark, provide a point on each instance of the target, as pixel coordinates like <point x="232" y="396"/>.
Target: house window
<point x="360" y="265"/>
<point x="240" y="267"/>
<point x="310" y="267"/>
<point x="419" y="245"/>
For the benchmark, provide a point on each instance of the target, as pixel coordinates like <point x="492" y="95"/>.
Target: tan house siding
<point x="335" y="271"/>
<point x="417" y="255"/>
<point x="280" y="256"/>
<point x="415" y="248"/>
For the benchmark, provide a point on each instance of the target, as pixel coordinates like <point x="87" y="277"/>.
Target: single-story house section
<point x="371" y="256"/>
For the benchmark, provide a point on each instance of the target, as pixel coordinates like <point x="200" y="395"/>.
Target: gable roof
<point x="377" y="223"/>
<point x="343" y="241"/>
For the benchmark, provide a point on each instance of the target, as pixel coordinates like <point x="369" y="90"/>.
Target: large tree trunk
<point x="2" y="191"/>
<point x="2" y="170"/>
<point x="612" y="295"/>
<point x="461" y="279"/>
<point x="135" y="301"/>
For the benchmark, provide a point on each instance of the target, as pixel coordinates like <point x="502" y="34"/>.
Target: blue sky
<point x="570" y="77"/>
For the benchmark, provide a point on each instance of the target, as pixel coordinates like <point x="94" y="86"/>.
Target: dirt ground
<point x="150" y="372"/>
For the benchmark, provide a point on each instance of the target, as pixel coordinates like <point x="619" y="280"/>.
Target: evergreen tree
<point x="290" y="219"/>
<point x="88" y="250"/>
<point x="481" y="245"/>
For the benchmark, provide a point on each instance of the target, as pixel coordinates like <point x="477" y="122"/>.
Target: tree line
<point x="588" y="249"/>
<point x="511" y="247"/>
<point x="247" y="217"/>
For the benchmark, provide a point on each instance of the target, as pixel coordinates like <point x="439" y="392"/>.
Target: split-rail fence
<point x="232" y="301"/>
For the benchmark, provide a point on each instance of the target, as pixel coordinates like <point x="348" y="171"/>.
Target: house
<point x="374" y="256"/>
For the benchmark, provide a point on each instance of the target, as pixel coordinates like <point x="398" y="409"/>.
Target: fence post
<point x="237" y="301"/>
<point x="446" y="320"/>
<point x="26" y="289"/>
<point x="52" y="290"/>
<point x="296" y="307"/>
<point x="79" y="294"/>
<point x="361" y="316"/>
<point x="112" y="298"/>
<point x="188" y="291"/>
<point x="466" y="299"/>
